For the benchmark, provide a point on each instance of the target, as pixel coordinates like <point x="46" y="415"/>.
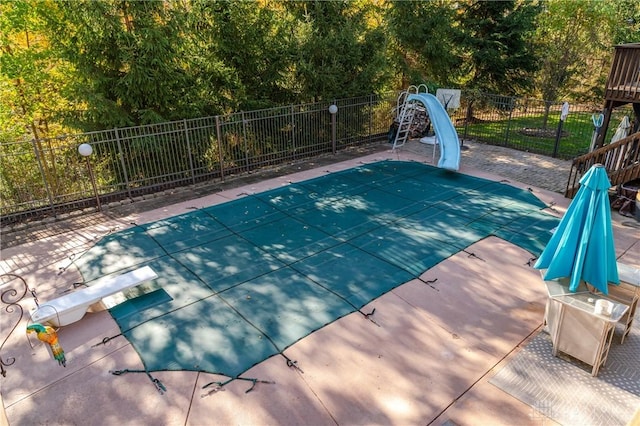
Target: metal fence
<point x="47" y="177"/>
<point x="531" y="125"/>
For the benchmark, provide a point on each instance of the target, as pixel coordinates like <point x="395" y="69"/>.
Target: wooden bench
<point x="72" y="307"/>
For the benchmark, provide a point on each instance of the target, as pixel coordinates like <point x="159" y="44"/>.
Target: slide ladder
<point x="405" y="119"/>
<point x="406" y="112"/>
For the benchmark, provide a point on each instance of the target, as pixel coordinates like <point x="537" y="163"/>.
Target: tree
<point x="31" y="79"/>
<point x="31" y="73"/>
<point x="424" y="45"/>
<point x="340" y="50"/>
<point x="128" y="59"/>
<point x="574" y="50"/>
<point x="497" y="54"/>
<point x="569" y="42"/>
<point x="626" y="28"/>
<point x="242" y="49"/>
<point x="495" y="36"/>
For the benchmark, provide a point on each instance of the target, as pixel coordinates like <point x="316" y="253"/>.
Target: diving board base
<point x="72" y="307"/>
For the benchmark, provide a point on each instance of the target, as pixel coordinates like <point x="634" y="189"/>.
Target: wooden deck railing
<point x="621" y="159"/>
<point x="623" y="84"/>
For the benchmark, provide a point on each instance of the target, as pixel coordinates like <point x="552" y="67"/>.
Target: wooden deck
<point x="623" y="84"/>
<point x="621" y="158"/>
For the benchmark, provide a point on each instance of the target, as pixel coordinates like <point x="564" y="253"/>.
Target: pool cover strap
<point x="157" y="383"/>
<point x="253" y="383"/>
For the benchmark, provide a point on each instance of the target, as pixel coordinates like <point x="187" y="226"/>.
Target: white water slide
<point x="443" y="127"/>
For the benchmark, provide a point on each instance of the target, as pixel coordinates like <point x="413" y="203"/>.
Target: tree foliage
<point x="91" y="65"/>
<point x="31" y="74"/>
<point x="570" y="44"/>
<point x="339" y="51"/>
<point x="626" y="21"/>
<point x="424" y="47"/>
<point x="128" y="60"/>
<point x="243" y="48"/>
<point x="498" y="55"/>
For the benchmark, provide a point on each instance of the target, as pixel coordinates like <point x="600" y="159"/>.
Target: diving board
<point x="72" y="307"/>
<point x="444" y="130"/>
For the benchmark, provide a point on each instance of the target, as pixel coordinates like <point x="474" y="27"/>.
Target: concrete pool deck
<point x="428" y="362"/>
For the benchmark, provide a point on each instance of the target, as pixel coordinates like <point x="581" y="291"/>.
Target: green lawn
<point x="577" y="131"/>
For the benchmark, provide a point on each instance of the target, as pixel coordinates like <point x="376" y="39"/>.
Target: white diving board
<point x="72" y="307"/>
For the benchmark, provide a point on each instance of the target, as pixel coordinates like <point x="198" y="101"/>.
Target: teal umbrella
<point x="582" y="245"/>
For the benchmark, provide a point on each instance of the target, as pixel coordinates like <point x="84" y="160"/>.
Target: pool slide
<point x="443" y="127"/>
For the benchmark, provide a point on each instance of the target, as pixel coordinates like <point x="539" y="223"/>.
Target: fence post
<point x="244" y="140"/>
<point x="293" y="133"/>
<point x="122" y="163"/>
<point x="220" y="154"/>
<point x="512" y="102"/>
<point x="186" y="133"/>
<point x="371" y="99"/>
<point x="333" y="109"/>
<point x="44" y="177"/>
<point x="467" y="114"/>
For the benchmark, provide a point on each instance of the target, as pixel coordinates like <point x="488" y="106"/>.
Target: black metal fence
<point x="532" y="125"/>
<point x="47" y="177"/>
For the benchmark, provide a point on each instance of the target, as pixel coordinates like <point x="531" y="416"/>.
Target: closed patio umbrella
<point x="582" y="246"/>
<point x="623" y="130"/>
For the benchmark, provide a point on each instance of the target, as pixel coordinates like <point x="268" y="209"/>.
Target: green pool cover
<point x="240" y="282"/>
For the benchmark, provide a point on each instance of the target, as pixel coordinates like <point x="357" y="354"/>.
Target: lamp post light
<point x="86" y="150"/>
<point x="333" y="109"/>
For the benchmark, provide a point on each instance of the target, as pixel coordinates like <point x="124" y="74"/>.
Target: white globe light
<point x="333" y="109"/>
<point x="85" y="150"/>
